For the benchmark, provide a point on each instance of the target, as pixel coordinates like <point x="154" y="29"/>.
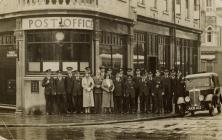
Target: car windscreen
<point x="198" y="83"/>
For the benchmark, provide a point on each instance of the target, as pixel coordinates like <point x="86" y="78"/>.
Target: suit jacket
<point x="119" y="88"/>
<point x="166" y="81"/>
<point x="49" y="86"/>
<point x="98" y="84"/>
<point x="143" y="87"/>
<point x="77" y="86"/>
<point x="69" y="84"/>
<point x="150" y="85"/>
<point x="129" y="89"/>
<point x="60" y="86"/>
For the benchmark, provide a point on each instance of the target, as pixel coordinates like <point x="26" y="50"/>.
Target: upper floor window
<point x="187" y="8"/>
<point x="178" y="2"/>
<point x="166" y="5"/>
<point x="196" y="5"/>
<point x="155" y="4"/>
<point x="209" y="34"/>
<point x="178" y="7"/>
<point x="209" y="3"/>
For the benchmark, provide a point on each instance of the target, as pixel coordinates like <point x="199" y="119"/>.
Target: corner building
<point x="78" y="33"/>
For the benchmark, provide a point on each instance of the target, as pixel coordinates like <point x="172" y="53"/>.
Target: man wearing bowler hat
<point x="69" y="89"/>
<point x="48" y="84"/>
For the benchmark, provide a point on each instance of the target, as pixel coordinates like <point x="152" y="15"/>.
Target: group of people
<point x="143" y="92"/>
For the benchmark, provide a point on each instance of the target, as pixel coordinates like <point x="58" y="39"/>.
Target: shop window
<point x="34" y="86"/>
<point x="43" y="51"/>
<point x="139" y="50"/>
<point x="112" y="51"/>
<point x="163" y="51"/>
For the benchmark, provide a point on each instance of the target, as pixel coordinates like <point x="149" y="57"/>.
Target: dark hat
<point x="129" y="69"/>
<point x="120" y="69"/>
<point x="69" y="68"/>
<point x="102" y="67"/>
<point x="137" y="69"/>
<point x="58" y="71"/>
<point x="76" y="71"/>
<point x="48" y="70"/>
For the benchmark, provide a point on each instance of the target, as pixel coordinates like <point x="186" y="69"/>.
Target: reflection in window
<point x="139" y="50"/>
<point x="42" y="47"/>
<point x="112" y="51"/>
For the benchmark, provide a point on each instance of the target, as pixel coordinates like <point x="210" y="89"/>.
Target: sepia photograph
<point x="110" y="69"/>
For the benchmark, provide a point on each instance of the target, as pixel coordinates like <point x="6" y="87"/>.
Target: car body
<point x="204" y="92"/>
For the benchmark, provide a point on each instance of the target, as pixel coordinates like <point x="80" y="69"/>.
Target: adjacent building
<point x="39" y="34"/>
<point x="211" y="46"/>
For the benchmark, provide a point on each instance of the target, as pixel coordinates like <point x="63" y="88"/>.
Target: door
<point x="152" y="64"/>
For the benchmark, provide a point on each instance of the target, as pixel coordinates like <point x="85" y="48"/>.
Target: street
<point x="200" y="127"/>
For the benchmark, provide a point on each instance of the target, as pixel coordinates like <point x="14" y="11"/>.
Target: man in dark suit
<point x="77" y="92"/>
<point x="49" y="85"/>
<point x="167" y="98"/>
<point x="118" y="93"/>
<point x="137" y="79"/>
<point x="69" y="89"/>
<point x="143" y="89"/>
<point x="130" y="93"/>
<point x="149" y="98"/>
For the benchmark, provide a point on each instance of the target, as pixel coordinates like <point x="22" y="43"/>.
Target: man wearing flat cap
<point x="48" y="84"/>
<point x="69" y="89"/>
<point x="77" y="92"/>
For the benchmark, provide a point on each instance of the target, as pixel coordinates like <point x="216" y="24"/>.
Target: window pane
<point x="105" y="55"/>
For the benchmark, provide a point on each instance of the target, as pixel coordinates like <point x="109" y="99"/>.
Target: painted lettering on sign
<point x="57" y="23"/>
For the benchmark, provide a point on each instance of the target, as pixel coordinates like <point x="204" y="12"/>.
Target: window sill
<point x="166" y="12"/>
<point x="123" y="1"/>
<point x="142" y="5"/>
<point x="178" y="16"/>
<point x="187" y="19"/>
<point x="154" y="9"/>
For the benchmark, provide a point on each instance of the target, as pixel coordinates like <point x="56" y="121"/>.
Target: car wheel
<point x="211" y="109"/>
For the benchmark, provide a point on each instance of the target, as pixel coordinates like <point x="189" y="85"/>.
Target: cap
<point x="102" y="67"/>
<point x="58" y="71"/>
<point x="109" y="69"/>
<point x="129" y="69"/>
<point x="48" y="70"/>
<point x="150" y="73"/>
<point x="120" y="69"/>
<point x="166" y="70"/>
<point x="137" y="69"/>
<point x="69" y="68"/>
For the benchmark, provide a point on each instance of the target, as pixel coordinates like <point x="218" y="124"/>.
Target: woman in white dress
<point x="88" y="85"/>
<point x="108" y="88"/>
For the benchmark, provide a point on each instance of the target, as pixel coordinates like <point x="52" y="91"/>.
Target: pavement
<point x="18" y="120"/>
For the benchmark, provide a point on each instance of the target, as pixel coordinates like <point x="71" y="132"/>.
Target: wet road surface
<point x="200" y="127"/>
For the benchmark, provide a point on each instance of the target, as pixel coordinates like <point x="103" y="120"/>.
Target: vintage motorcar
<point x="204" y="92"/>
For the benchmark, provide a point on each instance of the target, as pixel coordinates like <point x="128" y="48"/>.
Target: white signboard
<point x="57" y="23"/>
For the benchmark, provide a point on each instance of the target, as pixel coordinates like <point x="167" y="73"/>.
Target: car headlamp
<point x="201" y="97"/>
<point x="187" y="99"/>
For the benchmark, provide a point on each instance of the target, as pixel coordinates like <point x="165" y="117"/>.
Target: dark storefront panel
<point x="7" y="70"/>
<point x="43" y="50"/>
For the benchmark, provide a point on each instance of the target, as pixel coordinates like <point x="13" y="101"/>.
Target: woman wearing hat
<point x="108" y="88"/>
<point x="88" y="85"/>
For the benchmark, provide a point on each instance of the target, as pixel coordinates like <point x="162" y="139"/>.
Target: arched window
<point x="209" y="34"/>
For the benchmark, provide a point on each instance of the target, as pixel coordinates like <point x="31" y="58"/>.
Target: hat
<point x="120" y="69"/>
<point x="102" y="67"/>
<point x="69" y="68"/>
<point x="109" y="69"/>
<point x="137" y="69"/>
<point x="87" y="70"/>
<point x="150" y="73"/>
<point x="58" y="71"/>
<point x="129" y="69"/>
<point x="166" y="70"/>
<point x="48" y="70"/>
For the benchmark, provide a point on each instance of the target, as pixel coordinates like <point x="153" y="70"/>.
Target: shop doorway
<point x="8" y="81"/>
<point x="152" y="64"/>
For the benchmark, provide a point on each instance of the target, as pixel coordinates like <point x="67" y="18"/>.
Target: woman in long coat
<point x="108" y="88"/>
<point x="88" y="85"/>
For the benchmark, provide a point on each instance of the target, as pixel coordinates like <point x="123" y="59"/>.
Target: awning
<point x="207" y="57"/>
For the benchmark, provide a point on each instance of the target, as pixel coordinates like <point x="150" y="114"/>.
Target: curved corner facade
<point x="39" y="34"/>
